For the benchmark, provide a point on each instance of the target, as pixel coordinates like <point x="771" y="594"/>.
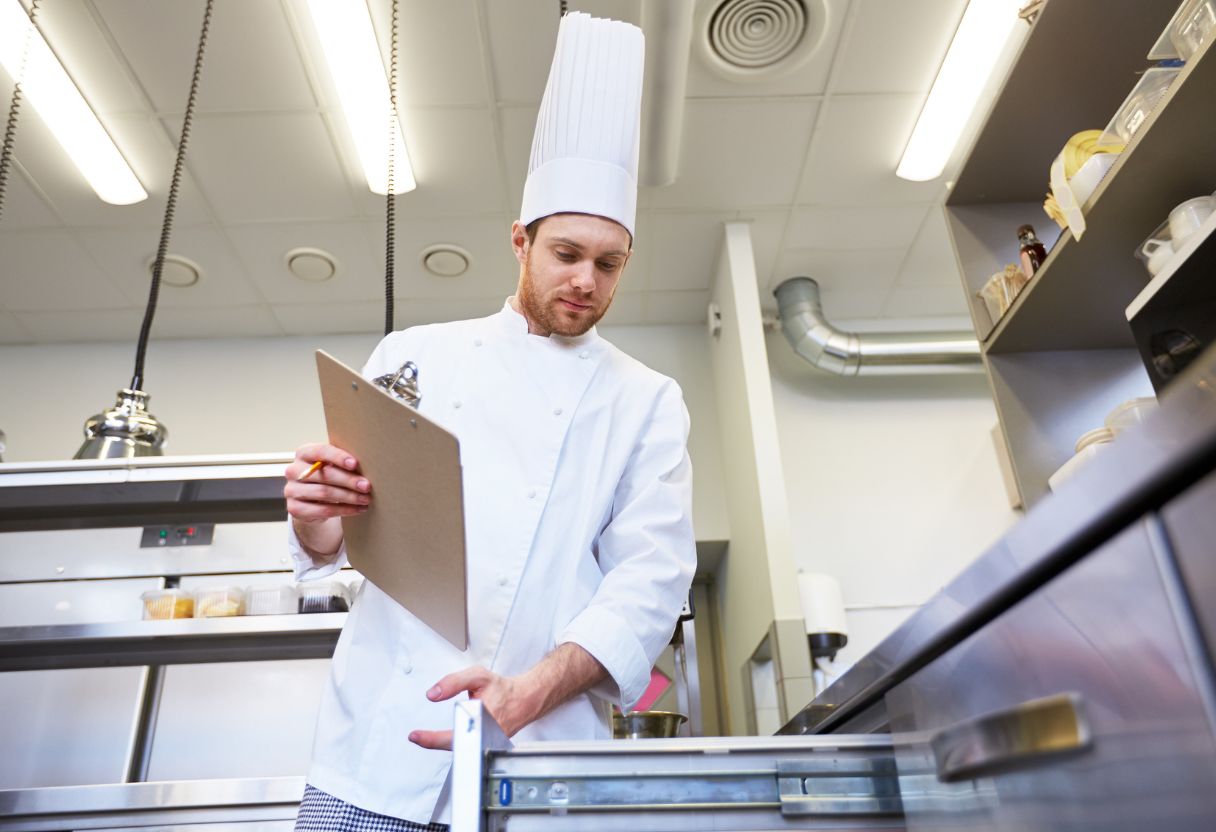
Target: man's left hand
<point x="505" y="697"/>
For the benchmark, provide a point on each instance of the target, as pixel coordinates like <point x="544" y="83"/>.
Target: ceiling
<point x="808" y="158"/>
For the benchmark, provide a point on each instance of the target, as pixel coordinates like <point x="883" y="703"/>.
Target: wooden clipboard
<point x="410" y="542"/>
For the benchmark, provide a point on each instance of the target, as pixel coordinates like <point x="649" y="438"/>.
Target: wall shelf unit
<point x="1064" y="354"/>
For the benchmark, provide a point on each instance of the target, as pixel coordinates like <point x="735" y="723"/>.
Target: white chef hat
<point x="585" y="150"/>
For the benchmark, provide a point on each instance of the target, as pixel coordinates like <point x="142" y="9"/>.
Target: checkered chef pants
<point x="322" y="812"/>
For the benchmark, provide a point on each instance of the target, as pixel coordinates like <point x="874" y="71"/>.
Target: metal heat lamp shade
<point x="124" y="431"/>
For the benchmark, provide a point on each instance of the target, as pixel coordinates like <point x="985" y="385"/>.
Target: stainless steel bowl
<point x="639" y="725"/>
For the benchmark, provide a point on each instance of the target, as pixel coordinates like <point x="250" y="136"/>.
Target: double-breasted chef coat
<point x="577" y="488"/>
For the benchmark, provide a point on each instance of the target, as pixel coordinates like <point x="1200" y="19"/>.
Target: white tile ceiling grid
<point x="807" y="157"/>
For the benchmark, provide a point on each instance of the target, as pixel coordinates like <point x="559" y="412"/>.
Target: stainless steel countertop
<point x="1144" y="469"/>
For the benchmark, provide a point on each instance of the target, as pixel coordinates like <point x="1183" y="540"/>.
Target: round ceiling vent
<point x="761" y="39"/>
<point x="176" y="271"/>
<point x="445" y="260"/>
<point x="311" y="264"/>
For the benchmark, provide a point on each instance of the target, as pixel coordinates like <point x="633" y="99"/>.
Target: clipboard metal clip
<point x="402" y="384"/>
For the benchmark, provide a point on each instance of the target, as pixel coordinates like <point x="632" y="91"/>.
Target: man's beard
<point x="545" y="312"/>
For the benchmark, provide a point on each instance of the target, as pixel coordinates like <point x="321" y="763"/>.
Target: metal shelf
<point x="84" y="494"/>
<point x="1077" y="299"/>
<point x="1071" y="75"/>
<point x="181" y="641"/>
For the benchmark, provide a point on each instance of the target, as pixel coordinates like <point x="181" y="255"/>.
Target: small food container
<point x="1139" y="104"/>
<point x="218" y="602"/>
<point x="1156" y="251"/>
<point x="160" y="604"/>
<point x="1089" y="444"/>
<point x="1129" y="414"/>
<point x="324" y="596"/>
<point x="272" y="600"/>
<point x="1193" y="25"/>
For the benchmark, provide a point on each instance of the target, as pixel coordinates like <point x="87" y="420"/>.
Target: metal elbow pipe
<point x="851" y="353"/>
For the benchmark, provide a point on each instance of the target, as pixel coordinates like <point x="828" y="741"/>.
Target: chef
<point x="576" y="479"/>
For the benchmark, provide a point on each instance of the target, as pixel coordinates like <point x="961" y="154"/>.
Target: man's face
<point x="569" y="272"/>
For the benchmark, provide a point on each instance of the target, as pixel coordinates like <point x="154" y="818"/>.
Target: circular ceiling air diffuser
<point x="177" y="271"/>
<point x="761" y="39"/>
<point x="445" y="260"/>
<point x="311" y="265"/>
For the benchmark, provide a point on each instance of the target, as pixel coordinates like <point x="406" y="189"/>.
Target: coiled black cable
<point x="14" y="108"/>
<point x="390" y="199"/>
<point x="562" y="8"/>
<point x="170" y="205"/>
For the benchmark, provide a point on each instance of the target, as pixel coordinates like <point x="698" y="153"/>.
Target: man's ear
<point x="519" y="241"/>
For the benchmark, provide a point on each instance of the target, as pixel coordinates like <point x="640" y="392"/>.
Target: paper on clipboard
<point x="410" y="542"/>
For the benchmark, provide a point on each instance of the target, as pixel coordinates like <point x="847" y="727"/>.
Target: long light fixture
<point x="28" y="59"/>
<point x="344" y="29"/>
<point x="973" y="54"/>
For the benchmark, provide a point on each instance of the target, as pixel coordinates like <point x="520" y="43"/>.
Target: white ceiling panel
<point x="215" y="322"/>
<point x="12" y="331"/>
<point x="440" y="61"/>
<point x="677" y="307"/>
<point x="124" y="256"/>
<point x="259" y="69"/>
<point x="808" y="79"/>
<point x="264" y="167"/>
<point x="873" y="269"/>
<point x="23" y="207"/>
<point x="740" y="153"/>
<point x="857" y="146"/>
<point x="931" y="259"/>
<point x="876" y="226"/>
<point x="518" y="124"/>
<point x="925" y="301"/>
<point x="493" y="271"/>
<point x="332" y="318"/>
<point x="684" y="247"/>
<point x="360" y="273"/>
<point x="896" y="46"/>
<point x="80" y="41"/>
<point x="46" y="270"/>
<point x="75" y="326"/>
<point x="455" y="161"/>
<point x="627" y="308"/>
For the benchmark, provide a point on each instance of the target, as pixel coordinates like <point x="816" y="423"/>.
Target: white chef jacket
<point x="577" y="487"/>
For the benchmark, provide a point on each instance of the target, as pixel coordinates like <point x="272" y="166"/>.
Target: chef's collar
<point x="515" y="322"/>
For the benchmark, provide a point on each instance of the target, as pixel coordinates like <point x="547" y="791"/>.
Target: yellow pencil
<point x="316" y="466"/>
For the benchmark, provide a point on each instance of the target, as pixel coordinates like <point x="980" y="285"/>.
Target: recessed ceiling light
<point x="177" y="271"/>
<point x="311" y="264"/>
<point x="445" y="260"/>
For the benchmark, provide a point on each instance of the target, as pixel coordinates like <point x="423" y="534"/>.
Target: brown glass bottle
<point x="1032" y="253"/>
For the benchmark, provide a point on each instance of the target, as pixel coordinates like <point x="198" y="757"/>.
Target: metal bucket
<point x="639" y="725"/>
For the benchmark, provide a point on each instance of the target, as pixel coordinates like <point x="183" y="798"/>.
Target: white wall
<point x="893" y="484"/>
<point x="260" y="395"/>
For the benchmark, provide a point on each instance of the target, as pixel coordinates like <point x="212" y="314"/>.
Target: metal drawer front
<point x="1077" y="709"/>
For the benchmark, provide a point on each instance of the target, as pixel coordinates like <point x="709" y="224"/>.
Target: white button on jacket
<point x="601" y="556"/>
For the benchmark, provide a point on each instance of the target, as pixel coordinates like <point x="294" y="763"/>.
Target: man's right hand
<point x="336" y="490"/>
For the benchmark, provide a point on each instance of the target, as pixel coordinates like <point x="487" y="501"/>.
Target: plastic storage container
<point x="1193" y="25"/>
<point x="1129" y="414"/>
<point x="218" y="602"/>
<point x="325" y="596"/>
<point x="272" y="600"/>
<point x="1089" y="445"/>
<point x="161" y="604"/>
<point x="1139" y="104"/>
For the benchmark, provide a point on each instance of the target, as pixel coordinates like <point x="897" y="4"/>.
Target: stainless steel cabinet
<point x="1079" y="708"/>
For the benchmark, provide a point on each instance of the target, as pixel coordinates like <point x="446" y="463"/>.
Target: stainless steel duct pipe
<point x="871" y="353"/>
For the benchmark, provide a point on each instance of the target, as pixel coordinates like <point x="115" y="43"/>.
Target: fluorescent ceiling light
<point x="344" y="28"/>
<point x="44" y="82"/>
<point x="977" y="45"/>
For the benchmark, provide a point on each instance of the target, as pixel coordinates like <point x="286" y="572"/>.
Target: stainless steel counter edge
<point x="1144" y="469"/>
<point x="91" y="806"/>
<point x="182" y="641"/>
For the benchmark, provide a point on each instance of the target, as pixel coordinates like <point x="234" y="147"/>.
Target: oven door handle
<point x="1020" y="737"/>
